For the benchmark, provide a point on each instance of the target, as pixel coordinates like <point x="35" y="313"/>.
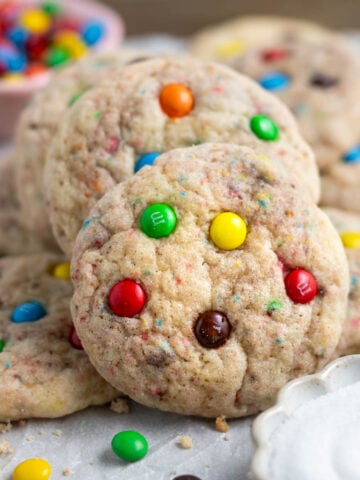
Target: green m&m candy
<point x="158" y="220"/>
<point x="129" y="445"/>
<point x="2" y="344"/>
<point x="264" y="127"/>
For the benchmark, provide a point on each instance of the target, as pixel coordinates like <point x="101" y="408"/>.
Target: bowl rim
<point x="87" y="9"/>
<point x="265" y="424"/>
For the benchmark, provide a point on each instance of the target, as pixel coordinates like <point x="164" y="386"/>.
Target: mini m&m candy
<point x="158" y="220"/>
<point x="228" y="231"/>
<point x="352" y="155"/>
<point x="35" y="21"/>
<point x="176" y="100"/>
<point x="129" y="445"/>
<point x="28" y="312"/>
<point x="212" y="329"/>
<point x="92" y="32"/>
<point x="264" y="127"/>
<point x="74" y="339"/>
<point x="62" y="271"/>
<point x="350" y="239"/>
<point x="274" y="54"/>
<point x="32" y="469"/>
<point x="274" y="81"/>
<point x="300" y="286"/>
<point x="146" y="159"/>
<point x="2" y="344"/>
<point x="127" y="298"/>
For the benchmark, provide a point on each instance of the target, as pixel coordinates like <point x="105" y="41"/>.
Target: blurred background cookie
<point x="311" y="69"/>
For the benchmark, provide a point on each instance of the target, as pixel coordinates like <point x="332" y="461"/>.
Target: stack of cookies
<point x="204" y="276"/>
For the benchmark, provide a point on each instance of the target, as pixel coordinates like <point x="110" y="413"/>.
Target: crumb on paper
<point x="6" y="448"/>
<point x="41" y="432"/>
<point x="66" y="472"/>
<point x="186" y="442"/>
<point x="221" y="424"/>
<point x="92" y="463"/>
<point x="120" y="405"/>
<point x="57" y="433"/>
<point x="29" y="438"/>
<point x="21" y="423"/>
<point x="226" y="438"/>
<point x="5" y="427"/>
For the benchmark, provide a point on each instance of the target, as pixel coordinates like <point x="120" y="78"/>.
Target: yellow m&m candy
<point x="32" y="469"/>
<point x="228" y="231"/>
<point x="350" y="239"/>
<point x="36" y="21"/>
<point x="62" y="271"/>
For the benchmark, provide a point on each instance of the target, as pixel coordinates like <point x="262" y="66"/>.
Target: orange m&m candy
<point x="176" y="100"/>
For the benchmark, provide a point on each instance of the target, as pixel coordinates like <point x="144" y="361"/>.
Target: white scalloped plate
<point x="290" y="450"/>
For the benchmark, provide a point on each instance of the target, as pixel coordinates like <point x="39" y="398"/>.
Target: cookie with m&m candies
<point x="44" y="369"/>
<point x="149" y="108"/>
<point x="311" y="69"/>
<point x="204" y="283"/>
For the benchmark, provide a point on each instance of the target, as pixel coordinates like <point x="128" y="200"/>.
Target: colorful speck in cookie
<point x="150" y="108"/>
<point x="311" y="69"/>
<point x="44" y="371"/>
<point x="348" y="226"/>
<point x="206" y="282"/>
<point x="14" y="237"/>
<point x="39" y="122"/>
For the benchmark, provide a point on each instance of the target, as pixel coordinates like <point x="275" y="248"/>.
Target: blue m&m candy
<point x="28" y="312"/>
<point x="274" y="81"/>
<point x="352" y="155"/>
<point x="92" y="32"/>
<point x="17" y="63"/>
<point x="146" y="159"/>
<point x="18" y="35"/>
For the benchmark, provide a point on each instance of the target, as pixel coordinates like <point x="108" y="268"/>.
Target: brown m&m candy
<point x="212" y="329"/>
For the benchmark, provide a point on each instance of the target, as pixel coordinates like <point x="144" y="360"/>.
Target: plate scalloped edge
<point x="338" y="374"/>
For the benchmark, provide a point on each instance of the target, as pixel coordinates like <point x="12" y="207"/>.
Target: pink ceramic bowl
<point x="13" y="97"/>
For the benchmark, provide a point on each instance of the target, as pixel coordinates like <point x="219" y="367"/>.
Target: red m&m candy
<point x="274" y="54"/>
<point x="300" y="286"/>
<point x="127" y="298"/>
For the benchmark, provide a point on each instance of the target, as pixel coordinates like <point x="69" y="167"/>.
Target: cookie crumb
<point x="120" y="405"/>
<point x="226" y="438"/>
<point x="57" y="433"/>
<point x="41" y="432"/>
<point x="66" y="472"/>
<point x="29" y="438"/>
<point x="6" y="448"/>
<point x="21" y="423"/>
<point x="186" y="442"/>
<point x="221" y="424"/>
<point x="5" y="427"/>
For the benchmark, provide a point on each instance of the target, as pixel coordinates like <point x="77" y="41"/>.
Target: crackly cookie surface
<point x="152" y="107"/>
<point x="205" y="282"/>
<point x="311" y="69"/>
<point x="14" y="237"/>
<point x="40" y="120"/>
<point x="348" y="226"/>
<point x="44" y="371"/>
